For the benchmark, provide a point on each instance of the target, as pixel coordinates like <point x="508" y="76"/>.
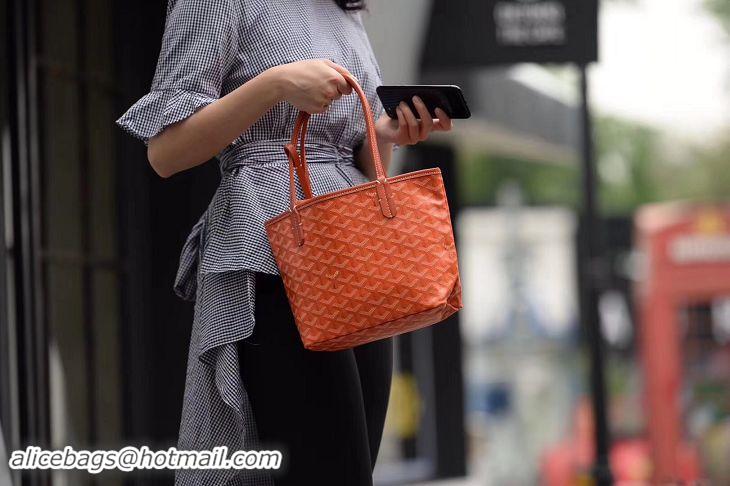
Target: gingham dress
<point x="209" y="48"/>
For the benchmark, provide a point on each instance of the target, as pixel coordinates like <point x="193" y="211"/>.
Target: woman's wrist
<point x="364" y="159"/>
<point x="383" y="130"/>
<point x="278" y="81"/>
<point x="382" y="140"/>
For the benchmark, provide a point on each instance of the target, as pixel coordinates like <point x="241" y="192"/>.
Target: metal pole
<point x="593" y="272"/>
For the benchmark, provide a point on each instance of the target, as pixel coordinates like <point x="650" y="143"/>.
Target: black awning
<point x="488" y="32"/>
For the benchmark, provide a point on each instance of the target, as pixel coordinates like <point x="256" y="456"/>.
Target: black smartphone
<point x="447" y="97"/>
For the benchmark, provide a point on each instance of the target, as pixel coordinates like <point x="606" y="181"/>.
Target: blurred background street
<point x="595" y="334"/>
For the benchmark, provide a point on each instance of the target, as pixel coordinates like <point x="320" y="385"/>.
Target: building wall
<point x="396" y="31"/>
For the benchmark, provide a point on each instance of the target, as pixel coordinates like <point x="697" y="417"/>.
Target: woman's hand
<point x="407" y="129"/>
<point x="311" y="85"/>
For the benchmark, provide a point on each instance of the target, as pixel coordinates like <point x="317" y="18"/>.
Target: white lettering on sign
<point x="700" y="249"/>
<point x="530" y="23"/>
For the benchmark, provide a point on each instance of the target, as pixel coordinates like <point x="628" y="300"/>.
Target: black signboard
<point x="487" y="32"/>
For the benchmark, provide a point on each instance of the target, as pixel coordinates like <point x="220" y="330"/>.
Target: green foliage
<point x="721" y="10"/>
<point x="712" y="174"/>
<point x="639" y="165"/>
<point x="481" y="176"/>
<point x="636" y="165"/>
<point x="627" y="156"/>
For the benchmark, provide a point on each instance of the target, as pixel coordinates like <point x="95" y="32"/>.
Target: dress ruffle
<point x="160" y="108"/>
<point x="216" y="409"/>
<point x="230" y="236"/>
<point x="216" y="270"/>
<point x="224" y="248"/>
<point x="224" y="314"/>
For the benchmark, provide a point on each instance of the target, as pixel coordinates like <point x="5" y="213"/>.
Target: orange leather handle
<point x="298" y="160"/>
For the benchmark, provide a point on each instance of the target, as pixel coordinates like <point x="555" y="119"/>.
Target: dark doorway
<point x="89" y="274"/>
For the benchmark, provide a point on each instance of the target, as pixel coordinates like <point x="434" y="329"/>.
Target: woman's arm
<point x="405" y="130"/>
<point x="309" y="85"/>
<point x="364" y="158"/>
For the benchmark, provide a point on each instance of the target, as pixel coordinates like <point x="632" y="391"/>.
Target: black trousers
<point x="324" y="411"/>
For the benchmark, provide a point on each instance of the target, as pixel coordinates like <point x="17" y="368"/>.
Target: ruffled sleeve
<point x="200" y="43"/>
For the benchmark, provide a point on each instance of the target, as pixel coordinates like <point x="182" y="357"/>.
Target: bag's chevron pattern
<point x="355" y="272"/>
<point x="359" y="276"/>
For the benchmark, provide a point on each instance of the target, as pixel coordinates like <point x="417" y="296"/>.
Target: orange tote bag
<point x="366" y="262"/>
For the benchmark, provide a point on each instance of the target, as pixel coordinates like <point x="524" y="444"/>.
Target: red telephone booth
<point x="685" y="266"/>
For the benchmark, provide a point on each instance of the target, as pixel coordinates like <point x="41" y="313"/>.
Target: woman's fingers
<point x="444" y="121"/>
<point x="342" y="85"/>
<point x="333" y="94"/>
<point x="315" y="110"/>
<point x="426" y="119"/>
<point x="411" y="123"/>
<point x="336" y="67"/>
<point x="402" y="125"/>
